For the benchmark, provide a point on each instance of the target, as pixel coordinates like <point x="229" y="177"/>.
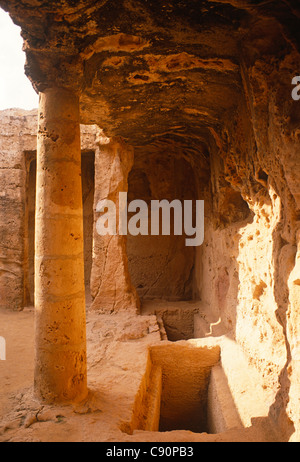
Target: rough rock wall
<point x="178" y="72"/>
<point x="17" y="188"/>
<point x="254" y="285"/>
<point x="18" y="131"/>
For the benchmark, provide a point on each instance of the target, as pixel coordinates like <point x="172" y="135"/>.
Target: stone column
<point x="111" y="286"/>
<point x="60" y="366"/>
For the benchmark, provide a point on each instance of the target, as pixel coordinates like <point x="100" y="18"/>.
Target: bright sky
<point x="15" y="89"/>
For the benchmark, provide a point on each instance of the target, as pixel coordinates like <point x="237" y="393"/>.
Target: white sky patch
<point x="15" y="89"/>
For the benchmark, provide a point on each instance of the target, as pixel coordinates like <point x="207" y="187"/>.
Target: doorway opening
<point x="163" y="269"/>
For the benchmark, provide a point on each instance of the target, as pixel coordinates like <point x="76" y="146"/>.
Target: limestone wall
<point x="18" y="130"/>
<point x="251" y="278"/>
<point x="18" y="135"/>
<point x="247" y="272"/>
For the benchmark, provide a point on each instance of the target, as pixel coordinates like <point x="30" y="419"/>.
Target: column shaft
<point x="60" y="366"/>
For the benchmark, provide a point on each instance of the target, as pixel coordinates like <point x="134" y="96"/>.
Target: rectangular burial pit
<point x="185" y="381"/>
<point x="174" y="393"/>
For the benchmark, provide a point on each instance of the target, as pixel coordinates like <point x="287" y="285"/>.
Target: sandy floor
<point x="114" y="377"/>
<point x="118" y="348"/>
<point x="17" y="371"/>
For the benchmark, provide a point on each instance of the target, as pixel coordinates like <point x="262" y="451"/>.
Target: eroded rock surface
<point x="210" y="82"/>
